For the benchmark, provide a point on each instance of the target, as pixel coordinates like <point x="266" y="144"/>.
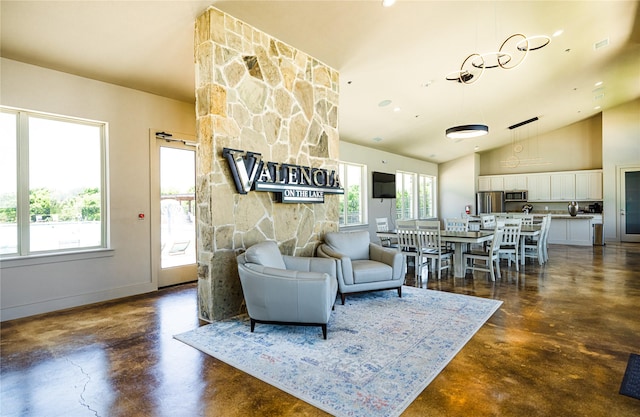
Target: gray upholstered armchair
<point x="287" y="289"/>
<point x="362" y="265"/>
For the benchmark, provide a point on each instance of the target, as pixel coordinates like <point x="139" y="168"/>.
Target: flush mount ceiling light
<point x="467" y="131"/>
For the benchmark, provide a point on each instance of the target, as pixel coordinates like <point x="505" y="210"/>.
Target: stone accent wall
<point x="257" y="94"/>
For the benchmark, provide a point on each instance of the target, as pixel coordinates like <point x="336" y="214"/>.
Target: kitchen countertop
<point x="569" y="217"/>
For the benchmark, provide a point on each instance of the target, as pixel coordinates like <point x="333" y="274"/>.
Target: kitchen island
<point x="573" y="230"/>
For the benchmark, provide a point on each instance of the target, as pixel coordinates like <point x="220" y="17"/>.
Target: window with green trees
<point x="352" y="207"/>
<point x="52" y="194"/>
<point x="415" y="196"/>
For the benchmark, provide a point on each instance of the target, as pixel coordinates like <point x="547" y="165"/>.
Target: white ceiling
<point x="401" y="53"/>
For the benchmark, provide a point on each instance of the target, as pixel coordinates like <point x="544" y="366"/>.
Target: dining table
<point x="459" y="240"/>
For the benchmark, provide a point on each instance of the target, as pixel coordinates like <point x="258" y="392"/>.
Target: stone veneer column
<point x="258" y="94"/>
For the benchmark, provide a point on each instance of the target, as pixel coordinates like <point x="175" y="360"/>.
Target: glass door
<point x="630" y="205"/>
<point x="174" y="213"/>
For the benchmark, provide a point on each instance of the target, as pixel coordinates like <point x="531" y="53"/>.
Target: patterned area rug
<point x="381" y="352"/>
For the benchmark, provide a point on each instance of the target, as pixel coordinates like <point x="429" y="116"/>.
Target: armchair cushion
<point x="354" y="245"/>
<point x="265" y="254"/>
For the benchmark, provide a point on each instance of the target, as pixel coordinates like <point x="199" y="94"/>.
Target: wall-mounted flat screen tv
<point x="384" y="185"/>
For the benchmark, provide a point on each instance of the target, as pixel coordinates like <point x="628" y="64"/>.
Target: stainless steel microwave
<point x="515" y="195"/>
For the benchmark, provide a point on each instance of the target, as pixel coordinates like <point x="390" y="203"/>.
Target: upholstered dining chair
<point x="489" y="258"/>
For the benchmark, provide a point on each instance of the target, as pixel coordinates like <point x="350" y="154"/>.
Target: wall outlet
<point x="546" y="208"/>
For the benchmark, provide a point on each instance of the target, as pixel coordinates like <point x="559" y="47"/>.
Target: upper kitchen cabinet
<point x="563" y="186"/>
<point x="589" y="185"/>
<point x="539" y="187"/>
<point x="502" y="182"/>
<point x="548" y="186"/>
<point x="515" y="182"/>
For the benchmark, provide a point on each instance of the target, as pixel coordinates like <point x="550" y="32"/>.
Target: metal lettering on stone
<point x="291" y="183"/>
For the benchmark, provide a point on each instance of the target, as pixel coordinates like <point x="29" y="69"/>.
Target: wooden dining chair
<point x="382" y="225"/>
<point x="533" y="245"/>
<point x="431" y="248"/>
<point x="510" y="245"/>
<point x="490" y="259"/>
<point x="409" y="247"/>
<point x="456" y="224"/>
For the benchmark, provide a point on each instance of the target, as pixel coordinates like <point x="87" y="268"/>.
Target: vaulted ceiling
<point x="399" y="55"/>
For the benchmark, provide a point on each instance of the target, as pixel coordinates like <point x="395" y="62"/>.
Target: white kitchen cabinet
<point x="515" y="182"/>
<point x="539" y="187"/>
<point x="497" y="183"/>
<point x="589" y="185"/>
<point x="571" y="231"/>
<point x="563" y="186"/>
<point x="484" y="184"/>
<point x="491" y="183"/>
<point x="548" y="186"/>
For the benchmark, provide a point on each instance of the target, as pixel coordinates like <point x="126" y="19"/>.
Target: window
<point x="352" y="206"/>
<point x="415" y="195"/>
<point x="405" y="195"/>
<point x="426" y="196"/>
<point x="52" y="187"/>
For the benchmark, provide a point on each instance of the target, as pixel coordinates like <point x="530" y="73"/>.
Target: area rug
<point x="381" y="351"/>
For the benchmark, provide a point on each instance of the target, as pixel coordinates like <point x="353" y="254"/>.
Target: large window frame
<point x="427" y="196"/>
<point x="353" y="178"/>
<point x="88" y="201"/>
<point x="415" y="196"/>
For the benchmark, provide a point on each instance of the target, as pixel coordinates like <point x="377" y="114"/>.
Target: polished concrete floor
<point x="558" y="346"/>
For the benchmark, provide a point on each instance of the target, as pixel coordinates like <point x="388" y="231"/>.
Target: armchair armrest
<point x="343" y="263"/>
<point x="388" y="256"/>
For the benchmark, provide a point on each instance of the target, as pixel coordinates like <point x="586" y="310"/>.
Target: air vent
<point x="523" y="123"/>
<point x="601" y="44"/>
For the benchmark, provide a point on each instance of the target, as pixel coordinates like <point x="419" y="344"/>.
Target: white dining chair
<point x="456" y="224"/>
<point x="431" y="248"/>
<point x="487" y="221"/>
<point x="490" y="259"/>
<point x="382" y="226"/>
<point x="510" y="245"/>
<point x="533" y="245"/>
<point x="409" y="247"/>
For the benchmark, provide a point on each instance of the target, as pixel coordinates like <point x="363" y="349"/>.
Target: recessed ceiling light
<point x="396" y="109"/>
<point x="388" y="3"/>
<point x="598" y="84"/>
<point x="384" y="103"/>
<point x="597" y="108"/>
<point x="558" y="33"/>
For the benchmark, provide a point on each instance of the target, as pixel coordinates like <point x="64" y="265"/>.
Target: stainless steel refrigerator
<point x="490" y="202"/>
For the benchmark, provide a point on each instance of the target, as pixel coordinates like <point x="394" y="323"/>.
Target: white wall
<point x="620" y="148"/>
<point x="382" y="161"/>
<point x="457" y="185"/>
<point x="52" y="283"/>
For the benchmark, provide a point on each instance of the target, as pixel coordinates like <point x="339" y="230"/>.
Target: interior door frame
<point x="155" y="216"/>
<point x="621" y="200"/>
